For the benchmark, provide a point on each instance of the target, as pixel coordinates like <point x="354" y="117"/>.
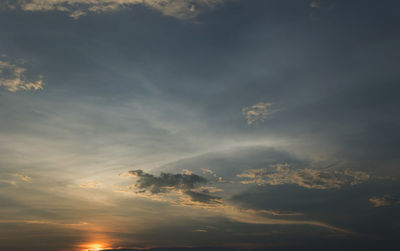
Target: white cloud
<point x="383" y="201"/>
<point x="13" y="78"/>
<point x="177" y="8"/>
<point x="257" y="113"/>
<point x="281" y="174"/>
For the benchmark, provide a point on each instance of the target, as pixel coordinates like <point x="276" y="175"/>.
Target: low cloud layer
<point x="281" y="174"/>
<point x="192" y="194"/>
<point x="182" y="9"/>
<point x="13" y="77"/>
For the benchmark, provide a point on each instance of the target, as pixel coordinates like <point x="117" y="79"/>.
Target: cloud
<point x="251" y="216"/>
<point x="22" y="177"/>
<point x="203" y="197"/>
<point x="208" y="171"/>
<point x="13" y="78"/>
<point x="181" y="9"/>
<point x="166" y="181"/>
<point x="90" y="185"/>
<point x="257" y="113"/>
<point x="383" y="201"/>
<point x="281" y="174"/>
<point x="187" y="186"/>
<point x="314" y="4"/>
<point x="186" y="171"/>
<point x="191" y="194"/>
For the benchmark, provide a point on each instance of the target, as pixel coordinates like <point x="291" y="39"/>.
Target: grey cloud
<point x="203" y="197"/>
<point x="186" y="183"/>
<point x="166" y="181"/>
<point x="281" y="174"/>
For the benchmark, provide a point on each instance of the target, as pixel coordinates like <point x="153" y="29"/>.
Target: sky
<point x="199" y="125"/>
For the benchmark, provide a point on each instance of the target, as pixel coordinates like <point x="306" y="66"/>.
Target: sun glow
<point x="93" y="247"/>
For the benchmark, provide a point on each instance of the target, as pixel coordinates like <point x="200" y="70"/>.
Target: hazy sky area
<point x="205" y="125"/>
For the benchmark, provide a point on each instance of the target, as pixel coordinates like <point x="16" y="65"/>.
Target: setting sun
<point x="93" y="247"/>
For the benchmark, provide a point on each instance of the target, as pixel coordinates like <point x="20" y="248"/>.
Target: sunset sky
<point x="205" y="125"/>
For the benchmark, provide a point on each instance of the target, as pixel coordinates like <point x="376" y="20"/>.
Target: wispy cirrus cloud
<point x="182" y="9"/>
<point x="281" y="174"/>
<point x="13" y="77"/>
<point x="257" y="113"/>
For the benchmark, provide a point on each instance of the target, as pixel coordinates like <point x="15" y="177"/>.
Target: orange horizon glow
<point x="93" y="247"/>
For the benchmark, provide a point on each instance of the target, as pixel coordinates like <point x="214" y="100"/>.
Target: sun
<point x="93" y="247"/>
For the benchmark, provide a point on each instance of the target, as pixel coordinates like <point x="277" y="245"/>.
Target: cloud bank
<point x="281" y="174"/>
<point x="182" y="9"/>
<point x="192" y="194"/>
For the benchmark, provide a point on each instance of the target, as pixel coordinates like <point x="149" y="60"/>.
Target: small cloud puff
<point x="314" y="4"/>
<point x="257" y="113"/>
<point x="281" y="174"/>
<point x="13" y="78"/>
